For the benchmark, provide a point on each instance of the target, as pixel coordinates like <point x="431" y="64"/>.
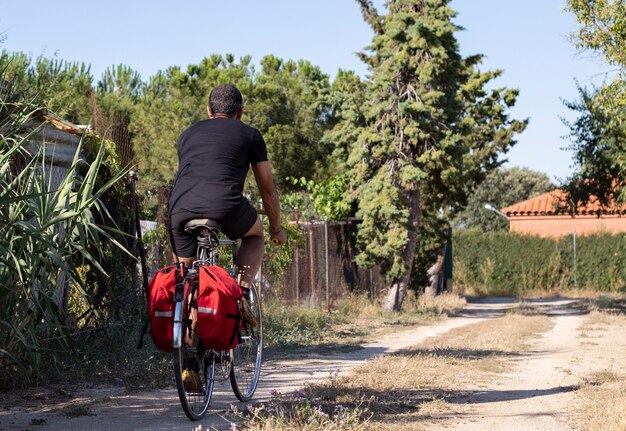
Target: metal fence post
<point x="312" y="262"/>
<point x="574" y="246"/>
<point x="296" y="256"/>
<point x="326" y="262"/>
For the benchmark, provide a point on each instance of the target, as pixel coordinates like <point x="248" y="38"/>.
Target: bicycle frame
<point x="241" y="364"/>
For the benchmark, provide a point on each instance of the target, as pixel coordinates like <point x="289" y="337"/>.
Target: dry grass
<point x="524" y="308"/>
<point x="444" y="304"/>
<point x="602" y="402"/>
<point x="361" y="307"/>
<point x="357" y="319"/>
<point x="602" y="395"/>
<point x="405" y="390"/>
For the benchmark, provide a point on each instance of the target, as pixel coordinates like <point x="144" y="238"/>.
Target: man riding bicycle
<point x="214" y="156"/>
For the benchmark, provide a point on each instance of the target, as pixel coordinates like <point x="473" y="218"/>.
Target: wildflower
<point x="233" y="426"/>
<point x="300" y="395"/>
<point x="249" y="407"/>
<point x="320" y="412"/>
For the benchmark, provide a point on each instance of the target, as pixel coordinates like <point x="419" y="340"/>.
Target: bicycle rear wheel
<point x="246" y="356"/>
<point x="194" y="397"/>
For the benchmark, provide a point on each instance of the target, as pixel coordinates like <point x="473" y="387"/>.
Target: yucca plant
<point x="44" y="228"/>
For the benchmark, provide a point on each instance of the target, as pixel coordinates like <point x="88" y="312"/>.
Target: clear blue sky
<point x="527" y="39"/>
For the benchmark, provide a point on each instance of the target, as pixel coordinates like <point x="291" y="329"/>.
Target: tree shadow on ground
<point x="615" y="306"/>
<point x="471" y="354"/>
<point x="499" y="306"/>
<point x="386" y="405"/>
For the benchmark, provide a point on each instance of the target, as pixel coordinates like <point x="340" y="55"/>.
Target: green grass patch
<point x="289" y="326"/>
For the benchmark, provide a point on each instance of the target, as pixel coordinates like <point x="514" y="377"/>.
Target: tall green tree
<point x="431" y="132"/>
<point x="291" y="110"/>
<point x="116" y="97"/>
<point x="598" y="141"/>
<point x="598" y="136"/>
<point x="119" y="89"/>
<point x="62" y="87"/>
<point x="501" y="188"/>
<point x="346" y="101"/>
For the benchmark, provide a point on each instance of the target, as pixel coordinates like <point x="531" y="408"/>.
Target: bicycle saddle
<point x="200" y="226"/>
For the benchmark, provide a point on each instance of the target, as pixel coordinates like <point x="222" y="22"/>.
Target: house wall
<point x="557" y="226"/>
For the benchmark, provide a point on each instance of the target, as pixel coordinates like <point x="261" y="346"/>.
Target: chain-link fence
<point x="114" y="127"/>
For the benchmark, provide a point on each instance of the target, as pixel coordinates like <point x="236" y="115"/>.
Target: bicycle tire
<point x="195" y="404"/>
<point x="246" y="356"/>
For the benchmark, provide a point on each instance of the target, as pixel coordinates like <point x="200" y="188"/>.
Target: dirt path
<point x="536" y="395"/>
<point x="541" y="392"/>
<point x="530" y="398"/>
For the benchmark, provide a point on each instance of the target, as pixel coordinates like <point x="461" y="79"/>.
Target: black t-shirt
<point x="213" y="160"/>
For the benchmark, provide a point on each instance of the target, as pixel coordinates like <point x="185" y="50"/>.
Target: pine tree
<point x="431" y="133"/>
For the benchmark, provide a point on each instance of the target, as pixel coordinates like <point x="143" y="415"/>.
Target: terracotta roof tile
<point x="546" y="204"/>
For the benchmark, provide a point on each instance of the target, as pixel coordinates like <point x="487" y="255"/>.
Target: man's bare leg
<point x="250" y="254"/>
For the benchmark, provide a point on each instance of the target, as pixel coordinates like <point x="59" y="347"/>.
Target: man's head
<point x="225" y="99"/>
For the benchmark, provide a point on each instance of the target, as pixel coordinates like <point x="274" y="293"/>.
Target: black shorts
<point x="234" y="224"/>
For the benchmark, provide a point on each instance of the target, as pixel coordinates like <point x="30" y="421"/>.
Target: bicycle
<point x="242" y="365"/>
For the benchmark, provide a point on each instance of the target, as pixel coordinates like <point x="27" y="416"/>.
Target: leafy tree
<point x="599" y="135"/>
<point x="118" y="93"/>
<point x="431" y="131"/>
<point x="60" y="86"/>
<point x="291" y="111"/>
<point x="598" y="141"/>
<point x="319" y="200"/>
<point x="346" y="101"/>
<point x="119" y="89"/>
<point x="602" y="27"/>
<point x="501" y="188"/>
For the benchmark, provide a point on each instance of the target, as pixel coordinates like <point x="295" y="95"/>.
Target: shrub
<point x="506" y="263"/>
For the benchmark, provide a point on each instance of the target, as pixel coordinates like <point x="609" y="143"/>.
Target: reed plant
<point x="45" y="229"/>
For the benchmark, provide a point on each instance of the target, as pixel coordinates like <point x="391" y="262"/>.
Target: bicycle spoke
<point x="246" y="356"/>
<point x="194" y="369"/>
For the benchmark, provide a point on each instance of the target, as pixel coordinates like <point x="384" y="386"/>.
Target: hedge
<point x="504" y="263"/>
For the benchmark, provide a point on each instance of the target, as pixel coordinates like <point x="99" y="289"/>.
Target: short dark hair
<point x="225" y="99"/>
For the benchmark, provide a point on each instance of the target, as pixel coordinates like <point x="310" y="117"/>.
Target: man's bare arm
<point x="265" y="181"/>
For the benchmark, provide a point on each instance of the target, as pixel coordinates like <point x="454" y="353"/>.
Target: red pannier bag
<point x="161" y="307"/>
<point x="219" y="318"/>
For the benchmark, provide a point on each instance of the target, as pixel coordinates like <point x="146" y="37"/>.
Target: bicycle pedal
<point x="192" y="382"/>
